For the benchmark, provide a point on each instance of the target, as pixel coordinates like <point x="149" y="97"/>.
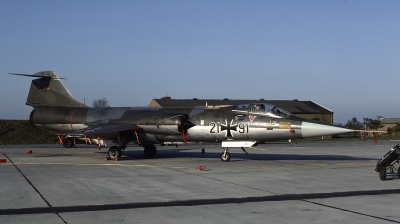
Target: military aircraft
<point x="239" y="126"/>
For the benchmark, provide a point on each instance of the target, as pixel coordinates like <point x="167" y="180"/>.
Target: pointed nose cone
<point x="313" y="130"/>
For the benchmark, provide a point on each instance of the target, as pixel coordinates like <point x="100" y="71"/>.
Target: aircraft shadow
<point x="236" y="154"/>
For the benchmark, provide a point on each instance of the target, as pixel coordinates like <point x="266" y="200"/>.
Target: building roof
<point x="390" y="120"/>
<point x="293" y="106"/>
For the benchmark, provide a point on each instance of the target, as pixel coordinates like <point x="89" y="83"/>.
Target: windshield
<point x="268" y="110"/>
<point x="281" y="112"/>
<point x="257" y="108"/>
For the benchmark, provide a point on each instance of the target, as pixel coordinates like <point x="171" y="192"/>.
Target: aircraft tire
<point x="68" y="143"/>
<point x="150" y="150"/>
<point x="225" y="158"/>
<point x="382" y="173"/>
<point x="398" y="171"/>
<point x="114" y="152"/>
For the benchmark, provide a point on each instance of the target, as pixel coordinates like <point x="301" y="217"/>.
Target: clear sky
<point x="342" y="54"/>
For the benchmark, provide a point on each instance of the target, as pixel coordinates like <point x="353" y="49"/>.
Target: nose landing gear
<point x="225" y="155"/>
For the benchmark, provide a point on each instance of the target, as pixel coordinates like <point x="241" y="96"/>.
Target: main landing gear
<point x="68" y="142"/>
<point x="115" y="152"/>
<point x="150" y="150"/>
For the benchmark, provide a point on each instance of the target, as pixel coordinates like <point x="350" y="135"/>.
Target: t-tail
<point x="48" y="90"/>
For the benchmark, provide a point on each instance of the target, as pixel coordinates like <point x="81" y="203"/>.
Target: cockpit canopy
<point x="263" y="109"/>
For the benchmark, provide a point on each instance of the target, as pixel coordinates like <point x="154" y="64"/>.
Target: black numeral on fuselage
<point x="242" y="128"/>
<point x="215" y="127"/>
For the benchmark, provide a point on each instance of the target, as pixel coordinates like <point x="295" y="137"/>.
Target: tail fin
<point x="48" y="90"/>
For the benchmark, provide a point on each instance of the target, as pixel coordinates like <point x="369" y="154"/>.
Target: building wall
<point x="327" y="118"/>
<point x="386" y="126"/>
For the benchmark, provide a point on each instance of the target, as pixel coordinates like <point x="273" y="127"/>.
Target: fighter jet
<point x="246" y="125"/>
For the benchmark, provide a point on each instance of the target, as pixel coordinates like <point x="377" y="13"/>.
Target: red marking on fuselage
<point x="70" y="119"/>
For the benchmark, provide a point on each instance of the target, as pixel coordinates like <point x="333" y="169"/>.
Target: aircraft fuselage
<point x="162" y="124"/>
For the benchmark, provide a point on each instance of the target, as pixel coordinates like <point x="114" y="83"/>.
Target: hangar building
<point x="388" y="123"/>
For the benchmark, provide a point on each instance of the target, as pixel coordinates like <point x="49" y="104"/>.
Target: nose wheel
<point x="225" y="155"/>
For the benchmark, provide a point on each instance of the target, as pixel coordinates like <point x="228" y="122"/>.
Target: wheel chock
<point x="106" y="158"/>
<point x="3" y="160"/>
<point x="202" y="168"/>
<point x="116" y="159"/>
<point x="28" y="151"/>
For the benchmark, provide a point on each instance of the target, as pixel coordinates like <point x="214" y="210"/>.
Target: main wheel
<point x="398" y="171"/>
<point x="114" y="152"/>
<point x="225" y="156"/>
<point x="150" y="150"/>
<point x="382" y="173"/>
<point x="68" y="142"/>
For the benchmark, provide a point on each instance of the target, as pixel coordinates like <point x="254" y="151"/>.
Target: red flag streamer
<point x="61" y="138"/>
<point x="373" y="132"/>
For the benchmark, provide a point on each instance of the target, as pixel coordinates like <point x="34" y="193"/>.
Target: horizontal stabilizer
<point x="48" y="90"/>
<point x="36" y="75"/>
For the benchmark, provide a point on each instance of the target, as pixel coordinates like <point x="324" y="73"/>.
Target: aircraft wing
<point x="100" y="129"/>
<point x="109" y="128"/>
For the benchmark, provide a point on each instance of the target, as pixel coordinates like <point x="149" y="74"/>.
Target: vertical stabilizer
<point x="48" y="90"/>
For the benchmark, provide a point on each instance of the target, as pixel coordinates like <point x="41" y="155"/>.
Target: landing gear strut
<point x="225" y="155"/>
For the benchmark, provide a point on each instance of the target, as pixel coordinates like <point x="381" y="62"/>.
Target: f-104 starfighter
<point x="245" y="125"/>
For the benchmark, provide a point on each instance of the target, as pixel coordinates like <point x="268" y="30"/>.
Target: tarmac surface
<point x="313" y="182"/>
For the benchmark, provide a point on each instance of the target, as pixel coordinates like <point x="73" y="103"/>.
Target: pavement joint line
<point x="89" y="164"/>
<point x="348" y="164"/>
<point x="350" y="211"/>
<point x="197" y="202"/>
<point x="30" y="183"/>
<point x="248" y="187"/>
<point x="181" y="167"/>
<point x="315" y="164"/>
<point x="178" y="167"/>
<point x="215" y="179"/>
<point x="34" y="188"/>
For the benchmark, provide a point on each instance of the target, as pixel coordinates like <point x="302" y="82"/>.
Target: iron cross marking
<point x="228" y="127"/>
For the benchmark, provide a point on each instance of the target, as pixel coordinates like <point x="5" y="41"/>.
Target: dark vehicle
<point x="387" y="162"/>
